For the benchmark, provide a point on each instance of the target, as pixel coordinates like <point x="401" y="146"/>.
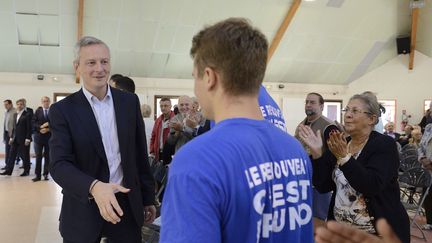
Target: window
<point x="332" y="110"/>
<point x="59" y="96"/>
<point x="390" y="114"/>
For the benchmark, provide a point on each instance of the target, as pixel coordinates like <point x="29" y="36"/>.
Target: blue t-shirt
<point x="243" y="181"/>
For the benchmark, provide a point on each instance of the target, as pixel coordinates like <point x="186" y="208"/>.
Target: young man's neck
<point x="238" y="107"/>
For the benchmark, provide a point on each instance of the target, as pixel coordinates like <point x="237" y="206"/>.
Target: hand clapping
<point x="312" y="140"/>
<point x="337" y="144"/>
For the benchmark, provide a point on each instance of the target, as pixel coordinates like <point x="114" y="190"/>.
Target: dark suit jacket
<point x="37" y="120"/>
<point x="205" y="128"/>
<point x="374" y="174"/>
<point x="78" y="157"/>
<point x="22" y="129"/>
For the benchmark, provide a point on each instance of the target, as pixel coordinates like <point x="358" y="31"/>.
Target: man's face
<point x="165" y="107"/>
<point x="94" y="66"/>
<point x="313" y="106"/>
<point x="7" y="106"/>
<point x="184" y="104"/>
<point x="20" y="106"/>
<point x="390" y="127"/>
<point x="45" y="102"/>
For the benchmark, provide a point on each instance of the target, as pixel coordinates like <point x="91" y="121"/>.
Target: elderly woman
<point x="361" y="170"/>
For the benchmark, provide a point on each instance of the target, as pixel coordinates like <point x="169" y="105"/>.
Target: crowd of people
<point x="235" y="174"/>
<point x="21" y="127"/>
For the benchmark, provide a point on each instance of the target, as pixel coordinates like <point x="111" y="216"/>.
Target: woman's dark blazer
<point x="374" y="174"/>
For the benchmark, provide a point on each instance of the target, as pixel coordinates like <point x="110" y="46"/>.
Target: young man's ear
<point x="211" y="77"/>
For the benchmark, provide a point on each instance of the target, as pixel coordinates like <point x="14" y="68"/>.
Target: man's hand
<point x="45" y="125"/>
<point x="176" y="126"/>
<point x="27" y="142"/>
<point x="106" y="201"/>
<point x="427" y="163"/>
<point x="340" y="233"/>
<point x="44" y="130"/>
<point x="191" y="123"/>
<point x="312" y="140"/>
<point x="149" y="214"/>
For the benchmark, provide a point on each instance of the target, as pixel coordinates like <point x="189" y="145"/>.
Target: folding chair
<point x="414" y="180"/>
<point x="150" y="233"/>
<point x="408" y="150"/>
<point x="409" y="162"/>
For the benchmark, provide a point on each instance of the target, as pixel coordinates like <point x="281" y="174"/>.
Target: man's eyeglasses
<point x="354" y="111"/>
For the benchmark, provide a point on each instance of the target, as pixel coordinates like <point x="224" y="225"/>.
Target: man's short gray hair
<point x="145" y="110"/>
<point x="86" y="41"/>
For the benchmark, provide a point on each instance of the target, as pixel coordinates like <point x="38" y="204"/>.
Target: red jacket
<point x="155" y="136"/>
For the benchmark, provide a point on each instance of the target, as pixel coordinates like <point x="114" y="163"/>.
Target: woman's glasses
<point x="354" y="111"/>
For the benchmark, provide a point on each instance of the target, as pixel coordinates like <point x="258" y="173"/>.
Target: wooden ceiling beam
<point x="414" y="19"/>
<point x="80" y="30"/>
<point x="282" y="28"/>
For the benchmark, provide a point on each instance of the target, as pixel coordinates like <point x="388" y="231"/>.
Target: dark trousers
<point x="6" y="139"/>
<point x="23" y="151"/>
<point x="126" y="230"/>
<point x="41" y="150"/>
<point x="427" y="204"/>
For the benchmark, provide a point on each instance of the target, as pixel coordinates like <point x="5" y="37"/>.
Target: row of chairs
<point x="415" y="183"/>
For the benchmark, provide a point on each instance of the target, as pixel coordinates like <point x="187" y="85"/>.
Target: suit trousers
<point x="126" y="230"/>
<point x="23" y="151"/>
<point x="42" y="151"/>
<point x="6" y="139"/>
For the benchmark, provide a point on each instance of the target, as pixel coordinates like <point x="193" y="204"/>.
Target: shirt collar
<point x="89" y="96"/>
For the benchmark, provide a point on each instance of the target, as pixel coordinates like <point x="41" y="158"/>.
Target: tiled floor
<point x="29" y="210"/>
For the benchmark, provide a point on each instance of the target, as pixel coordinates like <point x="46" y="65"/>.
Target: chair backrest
<point x="409" y="152"/>
<point x="416" y="177"/>
<point x="409" y="147"/>
<point x="409" y="162"/>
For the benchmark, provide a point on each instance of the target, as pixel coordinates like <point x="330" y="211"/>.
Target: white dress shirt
<point x="104" y="113"/>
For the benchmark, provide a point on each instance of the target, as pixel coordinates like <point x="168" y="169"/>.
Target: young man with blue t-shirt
<point x="245" y="180"/>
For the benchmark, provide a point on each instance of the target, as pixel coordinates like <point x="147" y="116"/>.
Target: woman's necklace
<point x="355" y="149"/>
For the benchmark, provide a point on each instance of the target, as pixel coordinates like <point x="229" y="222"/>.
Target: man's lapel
<point x="121" y="117"/>
<point x="85" y="113"/>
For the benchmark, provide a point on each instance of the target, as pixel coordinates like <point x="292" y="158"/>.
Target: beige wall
<point x="393" y="80"/>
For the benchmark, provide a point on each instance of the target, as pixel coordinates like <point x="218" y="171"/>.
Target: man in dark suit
<point x="20" y="140"/>
<point x="41" y="136"/>
<point x="99" y="155"/>
<point x="30" y="116"/>
<point x="8" y="126"/>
